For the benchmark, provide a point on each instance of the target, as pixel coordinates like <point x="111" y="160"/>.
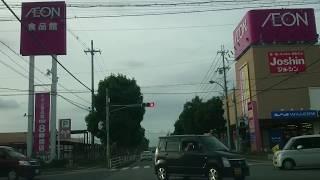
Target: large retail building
<point x="277" y="92"/>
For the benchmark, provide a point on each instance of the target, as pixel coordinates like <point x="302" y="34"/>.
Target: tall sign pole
<point x="108" y="129"/>
<point x="30" y="107"/>
<point x="92" y="51"/>
<point x="53" y="130"/>
<point x="43" y="32"/>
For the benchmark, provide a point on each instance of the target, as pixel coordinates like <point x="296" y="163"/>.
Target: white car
<point x="146" y="155"/>
<point x="300" y="151"/>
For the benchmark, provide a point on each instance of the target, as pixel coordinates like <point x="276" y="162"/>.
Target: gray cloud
<point x="8" y="104"/>
<point x="134" y="63"/>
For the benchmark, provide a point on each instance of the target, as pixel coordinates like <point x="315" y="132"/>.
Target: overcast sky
<point x="159" y="51"/>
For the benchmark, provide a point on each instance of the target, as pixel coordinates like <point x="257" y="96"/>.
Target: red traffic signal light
<point x="149" y="104"/>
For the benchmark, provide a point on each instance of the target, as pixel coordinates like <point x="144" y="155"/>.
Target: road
<point x="144" y="171"/>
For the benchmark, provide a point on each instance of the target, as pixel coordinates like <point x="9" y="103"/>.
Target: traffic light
<point x="148" y="104"/>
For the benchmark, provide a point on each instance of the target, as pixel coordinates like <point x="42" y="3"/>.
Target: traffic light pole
<point x="108" y="130"/>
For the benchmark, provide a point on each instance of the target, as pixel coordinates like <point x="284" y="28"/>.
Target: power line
<point x="183" y="12"/>
<point x="39" y="41"/>
<point x="83" y="107"/>
<point x="207" y="73"/>
<point x="258" y="5"/>
<point x="59" y="84"/>
<point x="212" y="76"/>
<point x="13" y="69"/>
<point x="17" y="54"/>
<point x="154" y="28"/>
<point x="172" y="4"/>
<point x="172" y="85"/>
<point x="74" y="103"/>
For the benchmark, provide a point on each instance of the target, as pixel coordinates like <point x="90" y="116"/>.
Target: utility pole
<point x="53" y="129"/>
<point x="108" y="129"/>
<point x="92" y="51"/>
<point x="30" y="107"/>
<point x="223" y="52"/>
<point x="236" y="118"/>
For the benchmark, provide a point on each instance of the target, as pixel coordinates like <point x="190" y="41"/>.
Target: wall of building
<point x="245" y="60"/>
<point x="314" y="96"/>
<point x="291" y="94"/>
<point x="286" y="93"/>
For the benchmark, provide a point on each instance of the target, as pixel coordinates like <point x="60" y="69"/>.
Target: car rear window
<point x="213" y="144"/>
<point x="161" y="145"/>
<point x="172" y="146"/>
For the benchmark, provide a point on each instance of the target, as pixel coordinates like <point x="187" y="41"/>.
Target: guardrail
<point x="119" y="161"/>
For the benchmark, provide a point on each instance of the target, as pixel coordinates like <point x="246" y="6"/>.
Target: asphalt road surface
<point x="144" y="171"/>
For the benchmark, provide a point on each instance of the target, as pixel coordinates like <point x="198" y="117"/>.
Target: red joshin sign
<point x="42" y="113"/>
<point x="286" y="61"/>
<point x="43" y="28"/>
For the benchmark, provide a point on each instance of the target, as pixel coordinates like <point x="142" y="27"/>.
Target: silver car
<point x="300" y="151"/>
<point x="146" y="155"/>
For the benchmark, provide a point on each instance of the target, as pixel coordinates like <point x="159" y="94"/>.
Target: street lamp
<point x="215" y="82"/>
<point x="225" y="88"/>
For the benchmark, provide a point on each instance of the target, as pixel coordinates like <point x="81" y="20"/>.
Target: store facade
<point x="277" y="76"/>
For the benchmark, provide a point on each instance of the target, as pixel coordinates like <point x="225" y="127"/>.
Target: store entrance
<point x="280" y="133"/>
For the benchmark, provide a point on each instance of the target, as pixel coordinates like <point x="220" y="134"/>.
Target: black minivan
<point x="197" y="156"/>
<point x="14" y="164"/>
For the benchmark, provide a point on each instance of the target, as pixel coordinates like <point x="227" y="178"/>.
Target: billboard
<point x="286" y="61"/>
<point x="65" y="128"/>
<point x="42" y="121"/>
<point x="268" y="26"/>
<point x="43" y="28"/>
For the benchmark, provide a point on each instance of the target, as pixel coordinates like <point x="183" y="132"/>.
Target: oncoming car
<point x="14" y="165"/>
<point x="146" y="155"/>
<point x="300" y="151"/>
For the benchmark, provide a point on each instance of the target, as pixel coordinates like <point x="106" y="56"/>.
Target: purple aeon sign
<point x="268" y="26"/>
<point x="43" y="28"/>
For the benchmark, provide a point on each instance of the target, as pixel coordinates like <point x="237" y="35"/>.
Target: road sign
<point x="100" y="125"/>
<point x="65" y="128"/>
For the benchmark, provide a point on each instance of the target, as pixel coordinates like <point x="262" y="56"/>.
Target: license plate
<point x="237" y="171"/>
<point x="37" y="171"/>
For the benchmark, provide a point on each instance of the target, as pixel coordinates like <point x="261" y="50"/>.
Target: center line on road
<point x="146" y="167"/>
<point x="136" y="167"/>
<point x="125" y="168"/>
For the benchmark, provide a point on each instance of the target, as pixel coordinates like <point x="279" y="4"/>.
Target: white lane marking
<point x="125" y="168"/>
<point x="136" y="167"/>
<point x="146" y="167"/>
